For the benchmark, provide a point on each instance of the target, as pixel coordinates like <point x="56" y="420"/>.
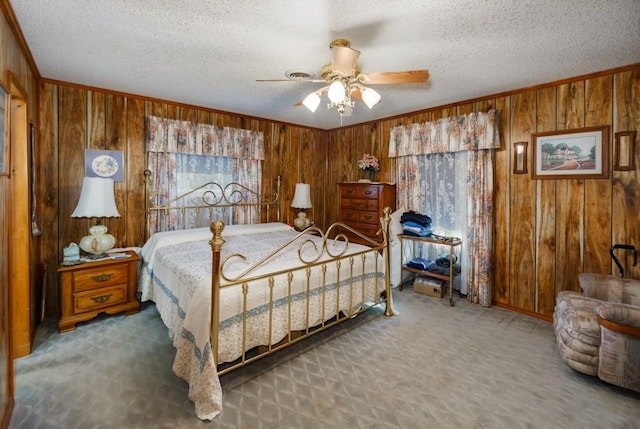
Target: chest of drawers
<point x="361" y="205"/>
<point x="91" y="288"/>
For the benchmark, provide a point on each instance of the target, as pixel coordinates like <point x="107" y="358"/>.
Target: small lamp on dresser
<point x="97" y="200"/>
<point x="302" y="200"/>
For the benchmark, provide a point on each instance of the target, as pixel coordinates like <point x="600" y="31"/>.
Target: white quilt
<point x="176" y="275"/>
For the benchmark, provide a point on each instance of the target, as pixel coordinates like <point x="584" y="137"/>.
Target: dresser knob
<point x="100" y="299"/>
<point x="102" y="277"/>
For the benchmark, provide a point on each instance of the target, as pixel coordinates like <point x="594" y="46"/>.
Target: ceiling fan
<point x="346" y="82"/>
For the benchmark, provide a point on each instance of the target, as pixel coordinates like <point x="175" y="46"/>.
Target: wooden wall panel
<point x="136" y="163"/>
<point x="522" y="291"/>
<point x="597" y="192"/>
<point x="115" y="133"/>
<point x="72" y="130"/>
<point x="47" y="185"/>
<point x="503" y="171"/>
<point x="560" y="216"/>
<point x="570" y="195"/>
<point x="18" y="276"/>
<point x="75" y="118"/>
<point x="543" y="232"/>
<point x="625" y="211"/>
<point x="546" y="109"/>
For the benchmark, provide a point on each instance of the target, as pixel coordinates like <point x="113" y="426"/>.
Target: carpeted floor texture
<point x="431" y="366"/>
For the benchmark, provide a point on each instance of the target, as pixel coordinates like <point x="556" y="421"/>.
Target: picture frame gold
<point x="624" y="151"/>
<point x="581" y="153"/>
<point x="520" y="157"/>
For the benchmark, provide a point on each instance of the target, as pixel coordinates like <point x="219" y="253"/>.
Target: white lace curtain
<point x="445" y="170"/>
<point x="167" y="139"/>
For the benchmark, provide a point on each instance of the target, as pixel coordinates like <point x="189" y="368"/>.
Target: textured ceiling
<point x="210" y="53"/>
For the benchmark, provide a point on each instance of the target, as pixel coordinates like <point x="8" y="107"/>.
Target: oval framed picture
<point x="104" y="163"/>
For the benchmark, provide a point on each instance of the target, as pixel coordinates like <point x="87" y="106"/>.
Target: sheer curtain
<point x="182" y="155"/>
<point x="445" y="170"/>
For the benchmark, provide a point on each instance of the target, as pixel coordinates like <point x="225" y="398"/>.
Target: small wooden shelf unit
<point x="451" y="244"/>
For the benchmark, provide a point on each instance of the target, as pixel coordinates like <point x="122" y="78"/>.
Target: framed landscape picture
<point x="581" y="153"/>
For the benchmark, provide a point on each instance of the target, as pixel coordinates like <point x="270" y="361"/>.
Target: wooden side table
<point x="91" y="288"/>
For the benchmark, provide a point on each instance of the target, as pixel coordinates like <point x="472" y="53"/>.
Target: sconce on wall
<point x="623" y="151"/>
<point x="520" y="158"/>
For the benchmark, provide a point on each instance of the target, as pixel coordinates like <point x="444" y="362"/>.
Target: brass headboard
<point x="209" y="200"/>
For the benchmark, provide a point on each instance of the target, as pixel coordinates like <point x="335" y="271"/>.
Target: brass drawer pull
<point x="102" y="277"/>
<point x="100" y="299"/>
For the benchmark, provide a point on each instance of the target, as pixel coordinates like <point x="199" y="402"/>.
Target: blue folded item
<point x="416" y="230"/>
<point x="413" y="225"/>
<point x="412" y="216"/>
<point x="419" y="264"/>
<point x="439" y="269"/>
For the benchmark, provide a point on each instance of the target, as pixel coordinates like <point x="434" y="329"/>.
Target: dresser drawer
<point x="360" y="192"/>
<point x="359" y="204"/>
<point x="370" y="218"/>
<point x="364" y="229"/>
<point x="87" y="301"/>
<point x="369" y="230"/>
<point x="99" y="278"/>
<point x="358" y="216"/>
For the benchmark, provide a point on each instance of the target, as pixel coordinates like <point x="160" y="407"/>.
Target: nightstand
<point x="91" y="288"/>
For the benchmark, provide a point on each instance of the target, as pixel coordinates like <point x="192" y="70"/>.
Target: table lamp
<point x="97" y="200"/>
<point x="302" y="200"/>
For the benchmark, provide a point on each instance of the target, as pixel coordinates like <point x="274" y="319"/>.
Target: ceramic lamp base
<point x="98" y="241"/>
<point x="302" y="222"/>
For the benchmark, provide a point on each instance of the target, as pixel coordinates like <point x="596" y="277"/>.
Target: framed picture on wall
<point x="571" y="154"/>
<point x="5" y="153"/>
<point x="104" y="163"/>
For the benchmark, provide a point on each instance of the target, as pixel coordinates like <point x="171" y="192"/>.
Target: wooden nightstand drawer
<point x="94" y="300"/>
<point x="93" y="279"/>
<point x="107" y="286"/>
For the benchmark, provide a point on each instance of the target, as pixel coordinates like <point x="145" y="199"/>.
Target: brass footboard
<point x="333" y="281"/>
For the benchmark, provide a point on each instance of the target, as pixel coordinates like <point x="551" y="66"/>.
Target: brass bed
<point x="231" y="294"/>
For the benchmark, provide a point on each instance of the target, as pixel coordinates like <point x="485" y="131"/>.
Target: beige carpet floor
<point x="431" y="366"/>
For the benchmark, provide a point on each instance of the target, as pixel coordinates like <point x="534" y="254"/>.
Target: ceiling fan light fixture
<point x="337" y="91"/>
<point x="370" y="97"/>
<point x="312" y="101"/>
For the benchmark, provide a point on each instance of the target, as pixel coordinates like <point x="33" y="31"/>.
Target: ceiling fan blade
<point x="344" y="59"/>
<point x="411" y="76"/>
<point x="357" y="94"/>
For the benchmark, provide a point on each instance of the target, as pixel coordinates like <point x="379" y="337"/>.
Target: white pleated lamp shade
<point x="97" y="199"/>
<point x="302" y="196"/>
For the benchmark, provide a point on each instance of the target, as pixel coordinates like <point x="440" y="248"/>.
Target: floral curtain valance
<point x="174" y="136"/>
<point x="474" y="131"/>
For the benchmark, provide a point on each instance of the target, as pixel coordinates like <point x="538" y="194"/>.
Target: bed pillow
<point x="256" y="228"/>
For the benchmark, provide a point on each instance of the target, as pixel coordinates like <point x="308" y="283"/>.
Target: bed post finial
<point x="387" y="260"/>
<point x="216" y="229"/>
<point x="278" y="183"/>
<point x="216" y="246"/>
<point x="147" y="203"/>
